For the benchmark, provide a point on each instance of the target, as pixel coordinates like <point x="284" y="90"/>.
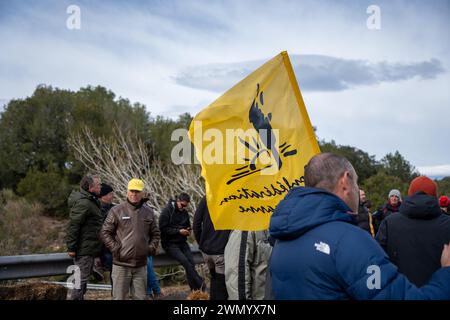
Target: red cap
<point x="423" y="184"/>
<point x="443" y="201"/>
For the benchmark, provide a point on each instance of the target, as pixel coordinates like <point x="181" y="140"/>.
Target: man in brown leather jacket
<point x="131" y="233"/>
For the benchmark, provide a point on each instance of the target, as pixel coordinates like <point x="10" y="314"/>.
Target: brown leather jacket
<point x="131" y="233"/>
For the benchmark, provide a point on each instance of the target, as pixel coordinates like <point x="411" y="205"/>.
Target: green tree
<point x="98" y="109"/>
<point x="396" y="165"/>
<point x="34" y="133"/>
<point x="160" y="134"/>
<point x="48" y="188"/>
<point x="365" y="165"/>
<point x="444" y="186"/>
<point x="377" y="188"/>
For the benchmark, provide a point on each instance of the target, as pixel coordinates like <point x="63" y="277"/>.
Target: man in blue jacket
<point x="320" y="253"/>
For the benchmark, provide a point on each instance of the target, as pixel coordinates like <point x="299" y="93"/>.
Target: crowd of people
<point x="323" y="242"/>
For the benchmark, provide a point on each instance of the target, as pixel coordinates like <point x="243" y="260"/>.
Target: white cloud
<point x="435" y="171"/>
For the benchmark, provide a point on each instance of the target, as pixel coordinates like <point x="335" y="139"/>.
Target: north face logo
<point x="322" y="247"/>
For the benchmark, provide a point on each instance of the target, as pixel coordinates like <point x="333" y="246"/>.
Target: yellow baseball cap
<point x="136" y="184"/>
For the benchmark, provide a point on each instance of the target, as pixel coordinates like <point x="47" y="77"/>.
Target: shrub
<point x="6" y="195"/>
<point x="48" y="188"/>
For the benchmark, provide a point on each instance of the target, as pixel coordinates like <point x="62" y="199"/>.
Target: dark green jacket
<point x="83" y="231"/>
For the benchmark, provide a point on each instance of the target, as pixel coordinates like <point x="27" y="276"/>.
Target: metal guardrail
<point x="90" y="286"/>
<point x="54" y="264"/>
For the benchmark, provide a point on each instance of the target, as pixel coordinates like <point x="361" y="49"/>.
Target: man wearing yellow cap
<point x="131" y="233"/>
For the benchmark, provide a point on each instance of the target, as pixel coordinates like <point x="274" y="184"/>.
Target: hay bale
<point x="198" y="295"/>
<point x="6" y="292"/>
<point x="33" y="291"/>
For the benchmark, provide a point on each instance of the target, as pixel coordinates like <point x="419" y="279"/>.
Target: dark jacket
<point x="105" y="207"/>
<point x="209" y="240"/>
<point x="85" y="222"/>
<point x="414" y="239"/>
<point x="131" y="233"/>
<point x="364" y="219"/>
<point x="382" y="213"/>
<point x="171" y="220"/>
<point x="321" y="254"/>
<point x="106" y="256"/>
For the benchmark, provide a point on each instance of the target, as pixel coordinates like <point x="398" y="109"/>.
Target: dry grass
<point x="25" y="230"/>
<point x="170" y="293"/>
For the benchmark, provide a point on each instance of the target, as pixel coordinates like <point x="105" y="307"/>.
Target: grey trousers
<point x="85" y="263"/>
<point x="129" y="281"/>
<point x="216" y="266"/>
<point x="215" y="262"/>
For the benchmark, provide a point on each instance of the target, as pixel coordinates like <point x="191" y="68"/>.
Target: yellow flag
<point x="253" y="143"/>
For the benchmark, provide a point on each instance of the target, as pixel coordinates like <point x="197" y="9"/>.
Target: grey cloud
<point x="314" y="73"/>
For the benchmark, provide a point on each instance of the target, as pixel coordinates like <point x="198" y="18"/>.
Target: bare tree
<point x="117" y="160"/>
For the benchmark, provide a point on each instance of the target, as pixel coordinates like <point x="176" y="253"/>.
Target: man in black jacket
<point x="175" y="227"/>
<point x="414" y="238"/>
<point x="364" y="216"/>
<point x="212" y="244"/>
<point x="85" y="222"/>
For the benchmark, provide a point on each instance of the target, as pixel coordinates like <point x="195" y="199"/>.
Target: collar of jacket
<point x="173" y="204"/>
<point x="306" y="208"/>
<point x="390" y="207"/>
<point x="106" y="206"/>
<point x="135" y="206"/>
<point x="90" y="196"/>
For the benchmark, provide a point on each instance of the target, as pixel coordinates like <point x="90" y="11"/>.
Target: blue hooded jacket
<point x="321" y="254"/>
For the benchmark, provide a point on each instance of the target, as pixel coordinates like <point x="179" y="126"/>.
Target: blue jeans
<point x="152" y="280"/>
<point x="106" y="259"/>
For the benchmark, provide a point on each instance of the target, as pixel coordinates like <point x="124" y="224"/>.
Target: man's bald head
<point x="325" y="169"/>
<point x="334" y="174"/>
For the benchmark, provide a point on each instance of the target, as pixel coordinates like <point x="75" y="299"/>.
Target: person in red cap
<point x="414" y="238"/>
<point x="444" y="203"/>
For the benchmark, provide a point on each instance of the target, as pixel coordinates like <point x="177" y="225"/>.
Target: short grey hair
<point x="325" y="169"/>
<point x="88" y="181"/>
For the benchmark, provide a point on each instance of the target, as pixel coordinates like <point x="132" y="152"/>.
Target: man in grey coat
<point x="247" y="255"/>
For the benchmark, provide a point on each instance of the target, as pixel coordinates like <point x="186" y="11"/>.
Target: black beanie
<point x="105" y="189"/>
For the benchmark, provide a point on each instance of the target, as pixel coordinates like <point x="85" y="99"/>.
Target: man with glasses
<point x="175" y="227"/>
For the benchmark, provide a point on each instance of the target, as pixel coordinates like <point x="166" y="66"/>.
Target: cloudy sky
<point x="379" y="90"/>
